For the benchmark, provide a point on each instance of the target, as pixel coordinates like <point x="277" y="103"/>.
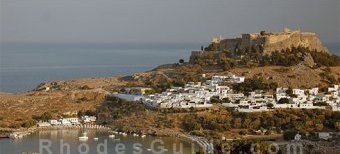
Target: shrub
<point x="215" y="100"/>
<point x="256" y="83"/>
<point x="119" y="108"/>
<point x="81" y="100"/>
<point x="29" y="123"/>
<point x="289" y="134"/>
<point x="283" y="101"/>
<point x="85" y="87"/>
<point x="320" y="104"/>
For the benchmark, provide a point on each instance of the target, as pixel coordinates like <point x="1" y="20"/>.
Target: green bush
<point x="45" y="116"/>
<point x="320" y="104"/>
<point x="289" y="135"/>
<point x="256" y="83"/>
<point x="119" y="108"/>
<point x="190" y="123"/>
<point x="215" y="99"/>
<point x="283" y="101"/>
<point x="29" y="123"/>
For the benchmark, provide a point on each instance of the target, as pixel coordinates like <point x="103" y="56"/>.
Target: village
<point x="202" y="95"/>
<point x="72" y="121"/>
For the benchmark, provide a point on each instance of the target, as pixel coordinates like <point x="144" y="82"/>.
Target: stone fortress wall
<point x="271" y="42"/>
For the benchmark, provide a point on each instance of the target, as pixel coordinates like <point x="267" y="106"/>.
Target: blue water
<point x="24" y="66"/>
<point x="333" y="48"/>
<point x="57" y="138"/>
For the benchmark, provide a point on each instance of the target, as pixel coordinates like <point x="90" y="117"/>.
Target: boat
<point x="111" y="136"/>
<point x="117" y="139"/>
<point x="148" y="149"/>
<point x="135" y="135"/>
<point x="96" y="138"/>
<point x="84" y="137"/>
<point x="124" y="134"/>
<point x="143" y="136"/>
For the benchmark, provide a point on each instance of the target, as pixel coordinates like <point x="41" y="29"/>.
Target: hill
<point x="295" y="67"/>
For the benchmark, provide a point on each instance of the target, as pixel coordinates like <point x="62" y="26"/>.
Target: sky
<point x="160" y="21"/>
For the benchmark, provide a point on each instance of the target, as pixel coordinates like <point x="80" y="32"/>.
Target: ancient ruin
<point x="272" y="41"/>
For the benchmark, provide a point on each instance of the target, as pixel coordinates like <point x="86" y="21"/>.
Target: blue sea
<point x="24" y="66"/>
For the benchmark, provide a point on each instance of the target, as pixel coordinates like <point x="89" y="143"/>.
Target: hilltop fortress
<point x="270" y="42"/>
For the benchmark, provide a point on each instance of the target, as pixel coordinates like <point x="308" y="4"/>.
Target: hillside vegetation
<point x="254" y="58"/>
<point x="217" y="121"/>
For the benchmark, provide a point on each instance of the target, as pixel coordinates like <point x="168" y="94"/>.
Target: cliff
<point x="270" y="42"/>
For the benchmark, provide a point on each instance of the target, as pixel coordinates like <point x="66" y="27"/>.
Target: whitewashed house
<point x="88" y="119"/>
<point x="334" y="88"/>
<point x="54" y="122"/>
<point x="281" y="93"/>
<point x="236" y="79"/>
<point x="313" y="91"/>
<point x="299" y="92"/>
<point x="44" y="124"/>
<point x="65" y="122"/>
<point x="218" y="78"/>
<point x="324" y="135"/>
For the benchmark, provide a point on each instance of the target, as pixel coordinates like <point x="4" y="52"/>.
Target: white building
<point x="43" y="124"/>
<point x="298" y="92"/>
<point x="324" y="135"/>
<point x="54" y="122"/>
<point x="334" y="88"/>
<point x="65" y="122"/>
<point x="88" y="119"/>
<point x="196" y="95"/>
<point x="281" y="93"/>
<point x="218" y="79"/>
<point x="236" y="79"/>
<point x="313" y="91"/>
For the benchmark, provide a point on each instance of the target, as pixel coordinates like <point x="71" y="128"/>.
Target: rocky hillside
<point x="59" y="98"/>
<point x="295" y="67"/>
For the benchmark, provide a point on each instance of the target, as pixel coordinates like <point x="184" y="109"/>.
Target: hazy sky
<point x="117" y="21"/>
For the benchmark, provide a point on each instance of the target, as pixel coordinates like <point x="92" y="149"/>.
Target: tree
<point x="214" y="99"/>
<point x="190" y="123"/>
<point x="29" y="123"/>
<point x="226" y="100"/>
<point x="321" y="104"/>
<point x="46" y="116"/>
<point x="263" y="33"/>
<point x="270" y="105"/>
<point x="284" y="101"/>
<point x="237" y="122"/>
<point x="81" y="113"/>
<point x="289" y="134"/>
<point x="289" y="91"/>
<point x="255" y="83"/>
<point x="247" y="123"/>
<point x="181" y="61"/>
<point x="90" y="113"/>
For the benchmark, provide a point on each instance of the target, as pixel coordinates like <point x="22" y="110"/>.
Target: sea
<point x="67" y="142"/>
<point x="23" y="66"/>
